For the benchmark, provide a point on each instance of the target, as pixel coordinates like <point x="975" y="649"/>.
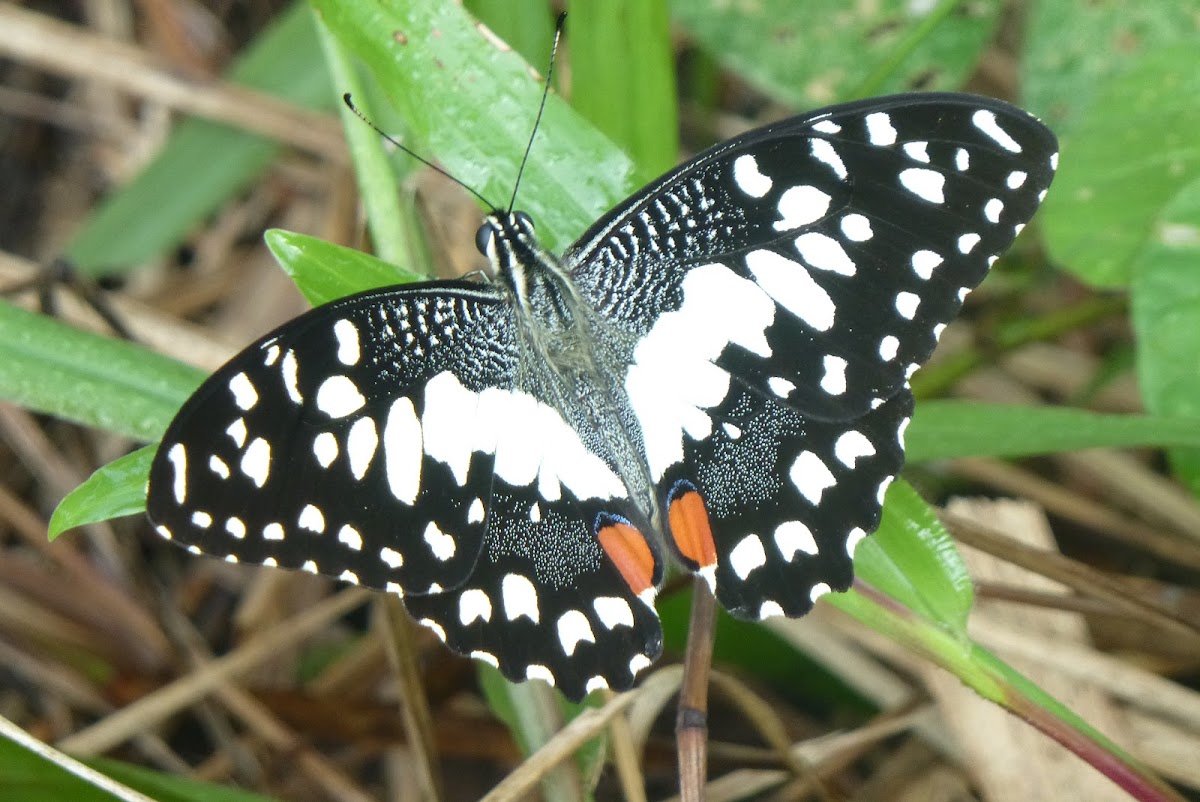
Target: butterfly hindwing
<point x="787" y="498"/>
<point x="545" y="600"/>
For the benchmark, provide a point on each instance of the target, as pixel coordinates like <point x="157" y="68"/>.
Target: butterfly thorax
<point x="565" y="348"/>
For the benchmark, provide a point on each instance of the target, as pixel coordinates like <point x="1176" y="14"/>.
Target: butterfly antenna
<point x="558" y="29"/>
<point x="350" y="105"/>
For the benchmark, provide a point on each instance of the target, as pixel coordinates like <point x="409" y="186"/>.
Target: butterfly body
<point x="715" y="374"/>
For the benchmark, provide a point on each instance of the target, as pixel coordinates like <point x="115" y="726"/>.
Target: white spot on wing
<point x="218" y="466"/>
<point x="825" y="153"/>
<point x="962" y="160"/>
<point x="888" y="347"/>
<point x="531" y="440"/>
<point x="475" y="513"/>
<point x="748" y="178"/>
<point x="244" y="394"/>
<point x="235" y="527"/>
<point x="985" y="121"/>
<point x="274" y="531"/>
<point x="486" y="657"/>
<point x="747" y="555"/>
<point x="794" y="536"/>
<point x="827" y="127"/>
<point x="925" y="184"/>
<point x="917" y="151"/>
<point x="907" y="303"/>
<point x="780" y="386"/>
<point x="791" y="285"/>
<point x="434" y="627"/>
<point x="924" y="262"/>
<point x="853" y="538"/>
<point x="638" y="663"/>
<point x="474" y="604"/>
<point x="441" y="544"/>
<point x="967" y="242"/>
<point x="770" y="609"/>
<point x="237" y="432"/>
<point x="596" y="683"/>
<point x="360" y="446"/>
<point x="519" y="597"/>
<point x="311" y="519"/>
<point x="325" y="449"/>
<point x="290" y="377"/>
<point x="347" y="339"/>
<point x="825" y="253"/>
<point x="201" y="519"/>
<point x="801" y="206"/>
<point x="256" y="461"/>
<point x="613" y="611"/>
<point x="402" y="450"/>
<point x="390" y="557"/>
<point x="338" y="396"/>
<point x="992" y="210"/>
<point x="350" y="537"/>
<point x="177" y="455"/>
<point x="673" y="380"/>
<point x="834" y="380"/>
<point x="811" y="476"/>
<point x="348" y="576"/>
<point x="856" y="228"/>
<point x="880" y="131"/>
<point x="819" y="590"/>
<point x="852" y="445"/>
<point x="538" y="671"/>
<point x="1016" y="179"/>
<point x="573" y="627"/>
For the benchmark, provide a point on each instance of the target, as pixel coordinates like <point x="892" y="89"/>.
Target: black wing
<point x="781" y="287"/>
<point x="383" y="440"/>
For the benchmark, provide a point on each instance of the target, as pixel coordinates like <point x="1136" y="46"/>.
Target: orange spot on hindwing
<point x="690" y="529"/>
<point x="628" y="550"/>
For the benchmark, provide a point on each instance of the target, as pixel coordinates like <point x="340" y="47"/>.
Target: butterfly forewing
<point x="322" y="446"/>
<point x="860" y="226"/>
<point x="717" y="369"/>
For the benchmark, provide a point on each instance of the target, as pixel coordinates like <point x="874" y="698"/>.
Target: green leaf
<point x="822" y="51"/>
<point x="113" y="385"/>
<point x="325" y="272"/>
<point x="1166" y="319"/>
<point x="623" y="78"/>
<point x="950" y="429"/>
<point x="532" y="711"/>
<point x="1072" y="49"/>
<point x="204" y="163"/>
<point x="113" y="491"/>
<point x="527" y="26"/>
<point x="1127" y="157"/>
<point x="471" y="106"/>
<point x="30" y="777"/>
<point x="913" y="560"/>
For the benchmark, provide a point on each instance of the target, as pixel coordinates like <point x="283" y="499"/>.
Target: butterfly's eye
<point x="484" y="237"/>
<point x="524" y="221"/>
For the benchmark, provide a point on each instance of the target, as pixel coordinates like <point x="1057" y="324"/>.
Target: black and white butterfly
<point x="715" y="373"/>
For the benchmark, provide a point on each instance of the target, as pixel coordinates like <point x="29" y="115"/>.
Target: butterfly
<point x="715" y="374"/>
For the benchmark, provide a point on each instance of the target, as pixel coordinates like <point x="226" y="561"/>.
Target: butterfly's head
<point x="508" y="241"/>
